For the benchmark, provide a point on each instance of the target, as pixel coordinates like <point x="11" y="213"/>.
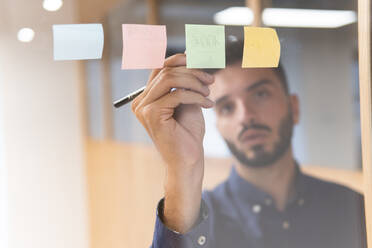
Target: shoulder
<point x="327" y="186"/>
<point x="339" y="206"/>
<point x="330" y="191"/>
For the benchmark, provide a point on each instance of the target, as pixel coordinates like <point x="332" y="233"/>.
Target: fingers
<point x="158" y="101"/>
<point x="177" y="80"/>
<point x="175" y="60"/>
<point x="163" y="109"/>
<point x="177" y="97"/>
<point x="186" y="82"/>
<point x="172" y="61"/>
<point x="201" y="75"/>
<point x="177" y="77"/>
<point x="177" y="74"/>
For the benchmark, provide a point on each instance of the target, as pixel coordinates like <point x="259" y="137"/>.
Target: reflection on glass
<point x="281" y="144"/>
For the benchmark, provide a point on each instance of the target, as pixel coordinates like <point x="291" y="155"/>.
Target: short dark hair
<point x="234" y="53"/>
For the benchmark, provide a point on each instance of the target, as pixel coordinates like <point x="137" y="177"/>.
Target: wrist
<point x="181" y="176"/>
<point x="180" y="214"/>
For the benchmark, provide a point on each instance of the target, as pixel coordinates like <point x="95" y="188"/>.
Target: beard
<point x="262" y="158"/>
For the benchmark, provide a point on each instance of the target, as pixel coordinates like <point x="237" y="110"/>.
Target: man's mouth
<point x="253" y="137"/>
<point x="252" y="134"/>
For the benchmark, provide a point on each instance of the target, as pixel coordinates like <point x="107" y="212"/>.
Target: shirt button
<point x="286" y="225"/>
<point x="201" y="240"/>
<point x="256" y="208"/>
<point x="268" y="201"/>
<point x="301" y="202"/>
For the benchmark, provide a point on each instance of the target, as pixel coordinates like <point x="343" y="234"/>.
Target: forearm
<point x="183" y="192"/>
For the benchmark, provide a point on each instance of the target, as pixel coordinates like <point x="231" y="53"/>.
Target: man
<point x="266" y="202"/>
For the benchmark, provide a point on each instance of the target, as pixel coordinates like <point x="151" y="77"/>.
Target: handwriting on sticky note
<point x="78" y="41"/>
<point x="144" y="46"/>
<point x="205" y="46"/>
<point x="261" y="48"/>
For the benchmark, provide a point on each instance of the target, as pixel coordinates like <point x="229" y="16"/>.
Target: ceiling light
<point x="279" y="17"/>
<point x="26" y="35"/>
<point x="307" y="18"/>
<point x="52" y="5"/>
<point x="234" y="16"/>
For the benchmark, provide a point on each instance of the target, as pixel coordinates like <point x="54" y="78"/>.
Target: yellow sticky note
<point x="261" y="48"/>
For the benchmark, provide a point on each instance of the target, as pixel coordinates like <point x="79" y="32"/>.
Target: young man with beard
<point x="267" y="202"/>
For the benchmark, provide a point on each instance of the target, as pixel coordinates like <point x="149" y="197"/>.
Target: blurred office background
<point x="75" y="172"/>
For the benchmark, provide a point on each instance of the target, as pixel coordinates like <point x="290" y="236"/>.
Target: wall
<point x="41" y="132"/>
<point x="3" y="191"/>
<point x="320" y="70"/>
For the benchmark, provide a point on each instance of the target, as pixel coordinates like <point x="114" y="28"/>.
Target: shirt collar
<point x="249" y="193"/>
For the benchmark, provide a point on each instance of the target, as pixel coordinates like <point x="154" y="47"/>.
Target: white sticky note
<point x="78" y="41"/>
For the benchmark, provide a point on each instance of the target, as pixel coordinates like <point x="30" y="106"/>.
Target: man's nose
<point x="245" y="112"/>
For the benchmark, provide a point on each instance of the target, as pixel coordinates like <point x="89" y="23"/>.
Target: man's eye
<point x="226" y="109"/>
<point x="262" y="94"/>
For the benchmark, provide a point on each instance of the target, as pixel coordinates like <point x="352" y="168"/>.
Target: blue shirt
<point x="236" y="214"/>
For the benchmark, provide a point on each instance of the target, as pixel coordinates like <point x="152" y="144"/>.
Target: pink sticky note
<point x="144" y="46"/>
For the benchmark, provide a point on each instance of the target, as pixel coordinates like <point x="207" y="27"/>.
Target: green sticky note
<point x="205" y="46"/>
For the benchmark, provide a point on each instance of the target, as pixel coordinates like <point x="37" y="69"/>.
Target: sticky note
<point x="78" y="41"/>
<point x="205" y="46"/>
<point x="261" y="48"/>
<point x="144" y="46"/>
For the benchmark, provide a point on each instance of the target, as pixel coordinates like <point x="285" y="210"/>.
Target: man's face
<point x="255" y="116"/>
